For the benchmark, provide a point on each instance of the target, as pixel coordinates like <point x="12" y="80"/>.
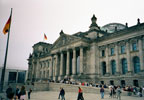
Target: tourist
<point x="129" y="91"/>
<point x="29" y="93"/>
<point x="9" y="92"/>
<point x="80" y="94"/>
<point x="140" y="92"/>
<point x="118" y="93"/>
<point x="134" y="90"/>
<point x="17" y="93"/>
<point x="62" y="94"/>
<point x="22" y="93"/>
<point x="111" y="92"/>
<point x="114" y="92"/>
<point x="102" y="92"/>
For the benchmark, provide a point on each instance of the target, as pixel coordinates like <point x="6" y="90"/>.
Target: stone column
<point x="61" y="64"/>
<point x="38" y="68"/>
<point x="53" y="68"/>
<point x="74" y="62"/>
<point x="56" y="65"/>
<point x="107" y="61"/>
<point x="81" y="60"/>
<point x="117" y="60"/>
<point x="141" y="55"/>
<point x="30" y="71"/>
<point x="34" y="71"/>
<point x="128" y="57"/>
<point x="68" y="63"/>
<point x="50" y="67"/>
<point x="42" y="70"/>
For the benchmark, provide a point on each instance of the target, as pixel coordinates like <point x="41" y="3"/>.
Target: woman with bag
<point x="80" y="94"/>
<point x="22" y="93"/>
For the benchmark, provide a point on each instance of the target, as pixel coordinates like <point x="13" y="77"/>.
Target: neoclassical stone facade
<point x="112" y="54"/>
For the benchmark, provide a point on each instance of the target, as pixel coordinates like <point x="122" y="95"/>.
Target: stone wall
<point x="74" y="88"/>
<point x="41" y="86"/>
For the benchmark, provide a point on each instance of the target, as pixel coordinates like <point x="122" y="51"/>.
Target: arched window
<point x="136" y="62"/>
<point x="124" y="66"/>
<point x="113" y="67"/>
<point x="103" y="68"/>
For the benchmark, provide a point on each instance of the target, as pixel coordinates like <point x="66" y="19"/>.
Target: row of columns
<point x="128" y="55"/>
<point x="58" y="68"/>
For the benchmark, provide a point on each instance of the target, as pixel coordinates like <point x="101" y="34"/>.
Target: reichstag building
<point x="112" y="54"/>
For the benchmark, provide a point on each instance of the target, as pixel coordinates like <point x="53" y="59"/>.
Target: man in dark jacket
<point x="9" y="92"/>
<point x="62" y="93"/>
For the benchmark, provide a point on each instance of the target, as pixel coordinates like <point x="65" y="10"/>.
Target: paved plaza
<point x="48" y="95"/>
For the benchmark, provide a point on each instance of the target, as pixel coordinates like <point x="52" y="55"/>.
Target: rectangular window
<point x="103" y="53"/>
<point x="134" y="46"/>
<point x="112" y="51"/>
<point x="123" y="49"/>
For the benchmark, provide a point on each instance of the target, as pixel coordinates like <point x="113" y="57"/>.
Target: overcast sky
<point x="32" y="18"/>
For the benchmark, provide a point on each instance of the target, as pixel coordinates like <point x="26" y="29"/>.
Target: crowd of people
<point x="115" y="91"/>
<point x="134" y="90"/>
<point x="17" y="93"/>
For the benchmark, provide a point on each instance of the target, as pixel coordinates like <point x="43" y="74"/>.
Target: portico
<point x="69" y="62"/>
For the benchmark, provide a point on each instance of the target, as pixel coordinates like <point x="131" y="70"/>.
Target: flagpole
<point x="5" y="60"/>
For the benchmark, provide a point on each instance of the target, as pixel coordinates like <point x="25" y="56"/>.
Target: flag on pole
<point x="5" y="30"/>
<point x="7" y="26"/>
<point x="45" y="37"/>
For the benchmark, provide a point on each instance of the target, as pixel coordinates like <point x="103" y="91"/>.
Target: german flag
<point x="45" y="37"/>
<point x="7" y="26"/>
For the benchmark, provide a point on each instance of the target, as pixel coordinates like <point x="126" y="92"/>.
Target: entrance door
<point x="135" y="83"/>
<point x="122" y="83"/>
<point x="111" y="82"/>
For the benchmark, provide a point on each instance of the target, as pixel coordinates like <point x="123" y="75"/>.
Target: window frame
<point x="134" y="46"/>
<point x="112" y="51"/>
<point x="123" y="49"/>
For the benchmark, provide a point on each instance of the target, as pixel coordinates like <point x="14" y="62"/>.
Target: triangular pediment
<point x="65" y="40"/>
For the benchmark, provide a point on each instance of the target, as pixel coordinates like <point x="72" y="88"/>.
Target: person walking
<point x="62" y="94"/>
<point x="111" y="92"/>
<point x="29" y="93"/>
<point x="80" y="94"/>
<point x="22" y="93"/>
<point x="102" y="92"/>
<point x="140" y="91"/>
<point x="118" y="93"/>
<point x="17" y="92"/>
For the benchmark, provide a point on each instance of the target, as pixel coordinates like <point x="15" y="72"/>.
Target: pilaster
<point x="128" y="57"/>
<point x="117" y="60"/>
<point x="107" y="62"/>
<point x="141" y="55"/>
